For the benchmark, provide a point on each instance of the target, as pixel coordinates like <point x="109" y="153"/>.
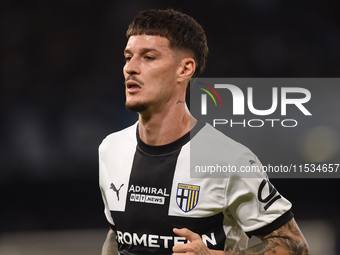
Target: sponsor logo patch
<point x="149" y="195"/>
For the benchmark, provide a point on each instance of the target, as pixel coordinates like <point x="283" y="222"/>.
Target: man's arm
<point x="286" y="240"/>
<point x="110" y="246"/>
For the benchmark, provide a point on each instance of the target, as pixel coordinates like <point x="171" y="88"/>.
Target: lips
<point x="132" y="86"/>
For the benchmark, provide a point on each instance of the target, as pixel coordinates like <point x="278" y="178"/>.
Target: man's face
<point x="150" y="72"/>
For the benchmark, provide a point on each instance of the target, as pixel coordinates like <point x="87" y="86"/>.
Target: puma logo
<point x="113" y="187"/>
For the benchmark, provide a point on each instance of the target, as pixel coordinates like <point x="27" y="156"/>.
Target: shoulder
<point x="211" y="148"/>
<point x="120" y="139"/>
<point x="212" y="139"/>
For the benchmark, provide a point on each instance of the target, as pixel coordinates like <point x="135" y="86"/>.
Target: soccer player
<point x="151" y="203"/>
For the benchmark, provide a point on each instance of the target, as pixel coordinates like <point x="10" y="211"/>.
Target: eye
<point x="127" y="58"/>
<point x="149" y="58"/>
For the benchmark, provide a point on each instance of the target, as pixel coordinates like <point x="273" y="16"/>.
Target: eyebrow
<point x="143" y="50"/>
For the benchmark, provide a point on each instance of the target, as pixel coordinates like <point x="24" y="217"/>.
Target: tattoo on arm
<point x="179" y="101"/>
<point x="110" y="246"/>
<point x="287" y="239"/>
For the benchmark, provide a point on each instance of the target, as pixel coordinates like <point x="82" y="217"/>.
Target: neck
<point x="165" y="127"/>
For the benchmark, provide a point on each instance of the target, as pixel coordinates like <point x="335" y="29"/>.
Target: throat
<point x="165" y="131"/>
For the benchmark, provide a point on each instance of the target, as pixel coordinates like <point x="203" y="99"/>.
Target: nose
<point x="132" y="67"/>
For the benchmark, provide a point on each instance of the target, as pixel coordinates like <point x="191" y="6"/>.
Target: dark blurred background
<point x="62" y="92"/>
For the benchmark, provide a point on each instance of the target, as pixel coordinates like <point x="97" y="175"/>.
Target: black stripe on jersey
<point x="134" y="239"/>
<point x="283" y="219"/>
<point x="145" y="226"/>
<point x="151" y="181"/>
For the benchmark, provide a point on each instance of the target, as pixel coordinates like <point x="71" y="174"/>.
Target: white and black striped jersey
<point x="147" y="191"/>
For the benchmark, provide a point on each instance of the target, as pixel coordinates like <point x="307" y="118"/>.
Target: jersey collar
<point x="170" y="147"/>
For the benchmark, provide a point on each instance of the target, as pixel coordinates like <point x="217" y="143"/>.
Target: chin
<point x="136" y="106"/>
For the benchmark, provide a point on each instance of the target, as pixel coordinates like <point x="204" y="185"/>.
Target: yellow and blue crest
<point x="187" y="196"/>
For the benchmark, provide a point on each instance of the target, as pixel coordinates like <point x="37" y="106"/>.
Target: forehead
<point x="155" y="42"/>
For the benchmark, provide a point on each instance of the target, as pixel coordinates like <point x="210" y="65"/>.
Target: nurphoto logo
<point x="243" y="101"/>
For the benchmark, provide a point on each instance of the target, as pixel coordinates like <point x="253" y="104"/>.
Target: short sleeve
<point x="254" y="202"/>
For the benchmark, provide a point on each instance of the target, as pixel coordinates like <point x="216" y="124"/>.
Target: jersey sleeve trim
<point x="284" y="218"/>
<point x="113" y="227"/>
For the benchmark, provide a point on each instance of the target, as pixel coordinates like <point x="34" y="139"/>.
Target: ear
<point x="186" y="69"/>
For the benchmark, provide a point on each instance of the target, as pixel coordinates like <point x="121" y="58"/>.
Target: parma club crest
<point x="187" y="196"/>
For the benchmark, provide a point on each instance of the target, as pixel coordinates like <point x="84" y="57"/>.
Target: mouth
<point x="132" y="86"/>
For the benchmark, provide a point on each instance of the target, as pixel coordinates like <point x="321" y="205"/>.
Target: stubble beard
<point x="138" y="106"/>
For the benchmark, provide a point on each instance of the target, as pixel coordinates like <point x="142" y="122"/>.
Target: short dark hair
<point x="183" y="32"/>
